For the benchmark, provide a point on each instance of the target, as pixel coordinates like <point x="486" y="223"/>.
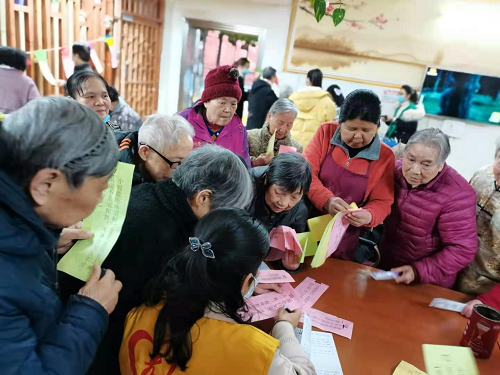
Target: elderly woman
<point x="91" y="90"/>
<point x="279" y="121"/>
<point x="350" y="164"/>
<point x="160" y="217"/>
<point x="482" y="277"/>
<point x="213" y="118"/>
<point x="158" y="148"/>
<point x="431" y="233"/>
<point x="56" y="157"/>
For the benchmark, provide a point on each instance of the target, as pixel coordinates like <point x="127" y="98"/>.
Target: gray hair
<point x="164" y="132"/>
<point x="286" y="91"/>
<point x="435" y="138"/>
<point x="57" y="133"/>
<point x="219" y="170"/>
<point x="283" y="106"/>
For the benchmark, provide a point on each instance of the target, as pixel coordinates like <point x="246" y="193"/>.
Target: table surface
<point x="391" y="322"/>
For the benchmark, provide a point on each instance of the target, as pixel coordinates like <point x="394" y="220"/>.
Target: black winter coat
<point x="260" y="100"/>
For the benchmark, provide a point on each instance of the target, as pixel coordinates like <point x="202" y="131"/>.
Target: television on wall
<point x="466" y="96"/>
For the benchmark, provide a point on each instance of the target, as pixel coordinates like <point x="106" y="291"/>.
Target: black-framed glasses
<point x="171" y="164"/>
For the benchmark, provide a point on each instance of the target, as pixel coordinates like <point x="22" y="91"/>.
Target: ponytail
<point x="413" y="94"/>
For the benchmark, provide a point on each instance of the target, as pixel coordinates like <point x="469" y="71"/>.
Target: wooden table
<point x="391" y="322"/>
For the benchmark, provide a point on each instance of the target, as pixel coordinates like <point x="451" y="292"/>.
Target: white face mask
<point x="250" y="291"/>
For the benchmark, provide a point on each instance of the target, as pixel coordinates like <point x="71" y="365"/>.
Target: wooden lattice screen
<point x="136" y="26"/>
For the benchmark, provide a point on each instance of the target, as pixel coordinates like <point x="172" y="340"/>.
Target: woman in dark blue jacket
<point x="55" y="159"/>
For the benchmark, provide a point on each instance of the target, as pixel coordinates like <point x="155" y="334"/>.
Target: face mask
<point x="107" y="118"/>
<point x="252" y="288"/>
<point x="401" y="99"/>
<point x="245" y="72"/>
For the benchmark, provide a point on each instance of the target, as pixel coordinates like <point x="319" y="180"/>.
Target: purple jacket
<point x="233" y="137"/>
<point x="431" y="227"/>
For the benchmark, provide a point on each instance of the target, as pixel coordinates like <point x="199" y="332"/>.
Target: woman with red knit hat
<point x="213" y="118"/>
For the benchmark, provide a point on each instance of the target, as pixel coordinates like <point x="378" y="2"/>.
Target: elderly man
<point x="431" y="233"/>
<point x="160" y="219"/>
<point x="56" y="157"/>
<point x="158" y="148"/>
<point x="279" y="121"/>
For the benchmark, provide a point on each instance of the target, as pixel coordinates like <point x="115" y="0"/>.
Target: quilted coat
<point x="431" y="227"/>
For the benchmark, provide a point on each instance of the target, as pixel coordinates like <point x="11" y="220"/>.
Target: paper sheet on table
<point x="95" y="59"/>
<point x="266" y="305"/>
<point x="446" y="304"/>
<point x="449" y="360"/>
<point x="331" y="323"/>
<point x="274" y="276"/>
<point x="310" y="291"/>
<point x="105" y="222"/>
<point x="284" y="149"/>
<point x="41" y="57"/>
<point x="270" y="145"/>
<point x="404" y="368"/>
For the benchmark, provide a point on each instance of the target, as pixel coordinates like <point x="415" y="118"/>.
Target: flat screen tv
<point x="466" y="96"/>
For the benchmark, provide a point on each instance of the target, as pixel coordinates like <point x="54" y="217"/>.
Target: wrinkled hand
<point x="266" y="288"/>
<point x="407" y="274"/>
<point x="334" y="205"/>
<point x="293" y="317"/>
<point x="290" y="260"/>
<point x="467" y="311"/>
<point x="104" y="291"/>
<point x="70" y="235"/>
<point x="263" y="159"/>
<point x="359" y="218"/>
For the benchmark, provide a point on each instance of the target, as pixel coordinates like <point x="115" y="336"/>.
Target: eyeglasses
<point x="482" y="208"/>
<point x="171" y="164"/>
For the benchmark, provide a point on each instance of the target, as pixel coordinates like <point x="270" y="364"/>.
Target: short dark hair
<point x="76" y="81"/>
<point x="13" y="57"/>
<point x="315" y="77"/>
<point x="242" y="62"/>
<point x="289" y="171"/>
<point x="82" y="50"/>
<point x="413" y="93"/>
<point x="338" y="99"/>
<point x="113" y="93"/>
<point x="361" y="104"/>
<point x="194" y="282"/>
<point x="268" y="73"/>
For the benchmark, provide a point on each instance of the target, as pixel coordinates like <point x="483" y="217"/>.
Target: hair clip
<point x="206" y="248"/>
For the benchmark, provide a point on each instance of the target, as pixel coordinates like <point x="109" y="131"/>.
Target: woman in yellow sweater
<point x="191" y="323"/>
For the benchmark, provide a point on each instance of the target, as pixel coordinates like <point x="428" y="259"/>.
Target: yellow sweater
<point x="315" y="108"/>
<point x="219" y="347"/>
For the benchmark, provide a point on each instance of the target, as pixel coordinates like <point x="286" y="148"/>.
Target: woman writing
<point x="191" y="323"/>
<point x="350" y="164"/>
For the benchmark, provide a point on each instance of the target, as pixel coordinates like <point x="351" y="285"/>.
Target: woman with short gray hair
<point x="431" y="233"/>
<point x="56" y="158"/>
<point x="279" y="122"/>
<point x="160" y="217"/>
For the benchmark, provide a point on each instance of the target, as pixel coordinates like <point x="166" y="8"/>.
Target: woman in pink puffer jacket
<point x="431" y="232"/>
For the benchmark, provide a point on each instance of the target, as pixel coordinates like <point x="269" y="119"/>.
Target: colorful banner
<point x="41" y="57"/>
<point x="68" y="64"/>
<point x="114" y="53"/>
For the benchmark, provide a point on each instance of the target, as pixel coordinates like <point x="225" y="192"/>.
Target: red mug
<point x="481" y="331"/>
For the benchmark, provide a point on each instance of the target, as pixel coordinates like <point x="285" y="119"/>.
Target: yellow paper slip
<point x="317" y="226"/>
<point x="105" y="222"/>
<point x="404" y="368"/>
<point x="270" y="145"/>
<point x="320" y="256"/>
<point x="309" y="247"/>
<point x="449" y="360"/>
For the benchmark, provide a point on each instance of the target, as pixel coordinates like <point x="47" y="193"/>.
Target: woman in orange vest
<point x="192" y="322"/>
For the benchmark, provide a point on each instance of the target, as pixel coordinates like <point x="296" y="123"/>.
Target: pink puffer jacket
<point x="431" y="227"/>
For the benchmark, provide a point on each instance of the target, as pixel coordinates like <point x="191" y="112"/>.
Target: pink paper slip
<point x="285" y="238"/>
<point x="277" y="239"/>
<point x="274" y="254"/>
<point x="338" y="230"/>
<point x="284" y="148"/>
<point x="266" y="305"/>
<point x="310" y="291"/>
<point x="331" y="323"/>
<point x="274" y="276"/>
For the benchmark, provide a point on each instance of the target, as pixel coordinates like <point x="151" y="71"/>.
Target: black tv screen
<point x="461" y="95"/>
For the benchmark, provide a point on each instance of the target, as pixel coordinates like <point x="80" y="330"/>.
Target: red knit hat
<point x="221" y="81"/>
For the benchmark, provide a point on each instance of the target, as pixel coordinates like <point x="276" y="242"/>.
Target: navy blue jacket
<point x="38" y="335"/>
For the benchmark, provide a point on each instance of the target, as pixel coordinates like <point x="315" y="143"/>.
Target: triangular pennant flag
<point x="68" y="64"/>
<point x="95" y="59"/>
<point x="114" y="53"/>
<point x="41" y="57"/>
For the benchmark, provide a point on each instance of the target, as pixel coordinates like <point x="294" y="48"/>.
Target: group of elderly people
<point x="56" y="156"/>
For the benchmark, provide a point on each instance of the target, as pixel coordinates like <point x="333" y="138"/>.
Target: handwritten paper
<point x="41" y="57"/>
<point x="446" y="304"/>
<point x="274" y="276"/>
<point x="266" y="305"/>
<point x="105" y="222"/>
<point x="305" y="340"/>
<point x="449" y="360"/>
<point x="270" y="145"/>
<point x="338" y="230"/>
<point x="404" y="368"/>
<point x="284" y="149"/>
<point x="283" y="239"/>
<point x="310" y="291"/>
<point x="331" y="323"/>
